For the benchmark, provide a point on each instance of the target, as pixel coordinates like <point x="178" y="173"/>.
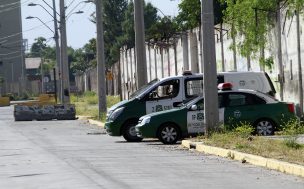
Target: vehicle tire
<point x="264" y="127"/>
<point x="168" y="133"/>
<point x="129" y="132"/>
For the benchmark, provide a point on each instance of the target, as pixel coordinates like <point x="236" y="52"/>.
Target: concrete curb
<point x="91" y="121"/>
<point x="94" y="122"/>
<point x="274" y="164"/>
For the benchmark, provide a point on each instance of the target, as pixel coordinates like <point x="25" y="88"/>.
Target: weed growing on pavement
<point x="291" y="142"/>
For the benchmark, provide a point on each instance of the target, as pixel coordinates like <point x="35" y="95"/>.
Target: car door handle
<point x="175" y="104"/>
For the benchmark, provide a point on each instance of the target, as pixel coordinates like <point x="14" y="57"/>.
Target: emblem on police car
<point x="237" y="114"/>
<point x="200" y="116"/>
<point x="158" y="108"/>
<point x="242" y="83"/>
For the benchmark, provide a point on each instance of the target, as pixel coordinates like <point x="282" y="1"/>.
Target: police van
<point x="170" y="92"/>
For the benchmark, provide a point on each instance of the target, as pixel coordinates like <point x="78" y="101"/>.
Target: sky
<point x="79" y="28"/>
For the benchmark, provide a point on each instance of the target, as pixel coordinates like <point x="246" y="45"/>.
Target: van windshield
<point x="143" y="88"/>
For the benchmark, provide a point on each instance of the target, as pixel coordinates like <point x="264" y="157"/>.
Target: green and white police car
<point x="262" y="111"/>
<point x="167" y="93"/>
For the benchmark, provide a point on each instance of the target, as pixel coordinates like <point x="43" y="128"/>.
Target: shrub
<point x="244" y="130"/>
<point x="293" y="127"/>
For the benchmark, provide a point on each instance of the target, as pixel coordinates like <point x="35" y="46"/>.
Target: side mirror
<point x="193" y="107"/>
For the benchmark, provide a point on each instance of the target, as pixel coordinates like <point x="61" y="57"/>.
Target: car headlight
<point x="116" y="113"/>
<point x="146" y="120"/>
<point x="109" y="114"/>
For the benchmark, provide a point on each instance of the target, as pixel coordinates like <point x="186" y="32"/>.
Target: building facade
<point x="11" y="47"/>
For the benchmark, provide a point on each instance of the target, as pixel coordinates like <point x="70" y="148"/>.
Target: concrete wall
<point x="11" y="45"/>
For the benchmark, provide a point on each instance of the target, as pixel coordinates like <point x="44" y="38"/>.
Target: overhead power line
<point x="19" y="33"/>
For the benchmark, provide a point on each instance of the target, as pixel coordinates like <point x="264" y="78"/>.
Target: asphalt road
<point x="73" y="154"/>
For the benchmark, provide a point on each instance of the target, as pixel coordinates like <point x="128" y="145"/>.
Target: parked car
<point x="262" y="111"/>
<point x="167" y="93"/>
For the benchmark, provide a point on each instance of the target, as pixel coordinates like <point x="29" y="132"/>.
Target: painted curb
<point x="274" y="164"/>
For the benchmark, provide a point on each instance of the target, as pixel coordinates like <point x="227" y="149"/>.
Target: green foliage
<point x="82" y="61"/>
<point x="38" y="47"/>
<point x="293" y="127"/>
<point x="87" y="104"/>
<point x="150" y="17"/>
<point x="189" y="16"/>
<point x="162" y="30"/>
<point x="291" y="142"/>
<point x="251" y="19"/>
<point x="113" y="17"/>
<point x="244" y="130"/>
<point x="268" y="62"/>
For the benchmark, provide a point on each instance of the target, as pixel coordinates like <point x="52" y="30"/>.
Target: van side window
<point x="166" y="90"/>
<point x="194" y="87"/>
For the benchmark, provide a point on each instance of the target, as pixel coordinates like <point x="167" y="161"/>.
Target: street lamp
<point x="56" y="38"/>
<point x="77" y="12"/>
<point x="32" y="17"/>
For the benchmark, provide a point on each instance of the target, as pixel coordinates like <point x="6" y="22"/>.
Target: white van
<point x="258" y="81"/>
<point x="164" y="94"/>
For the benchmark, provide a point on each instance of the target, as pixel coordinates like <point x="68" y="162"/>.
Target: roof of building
<point x="32" y="63"/>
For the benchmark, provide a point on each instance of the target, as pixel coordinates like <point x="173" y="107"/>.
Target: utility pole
<point x="280" y="64"/>
<point x="185" y="45"/>
<point x="209" y="64"/>
<point x="59" y="71"/>
<point x="101" y="82"/>
<point x="140" y="43"/>
<point x="64" y="56"/>
<point x="299" y="63"/>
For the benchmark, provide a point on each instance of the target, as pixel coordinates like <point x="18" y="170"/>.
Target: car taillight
<point x="291" y="108"/>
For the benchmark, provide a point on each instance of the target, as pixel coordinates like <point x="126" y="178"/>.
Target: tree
<point x="162" y="30"/>
<point x="189" y="16"/>
<point x="38" y="47"/>
<point x="150" y="17"/>
<point x="113" y="17"/>
<point x="47" y="53"/>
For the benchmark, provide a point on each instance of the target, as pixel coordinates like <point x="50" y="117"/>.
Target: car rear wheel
<point x="168" y="134"/>
<point x="129" y="132"/>
<point x="265" y="127"/>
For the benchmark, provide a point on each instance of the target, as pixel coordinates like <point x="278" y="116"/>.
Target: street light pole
<point x="140" y="43"/>
<point x="64" y="56"/>
<point x="56" y="37"/>
<point x="209" y="64"/>
<point x="101" y="82"/>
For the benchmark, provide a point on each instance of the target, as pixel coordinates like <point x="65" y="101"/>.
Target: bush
<point x="293" y="127"/>
<point x="244" y="130"/>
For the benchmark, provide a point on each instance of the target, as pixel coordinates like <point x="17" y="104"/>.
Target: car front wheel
<point x="265" y="127"/>
<point x="129" y="132"/>
<point x="168" y="134"/>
